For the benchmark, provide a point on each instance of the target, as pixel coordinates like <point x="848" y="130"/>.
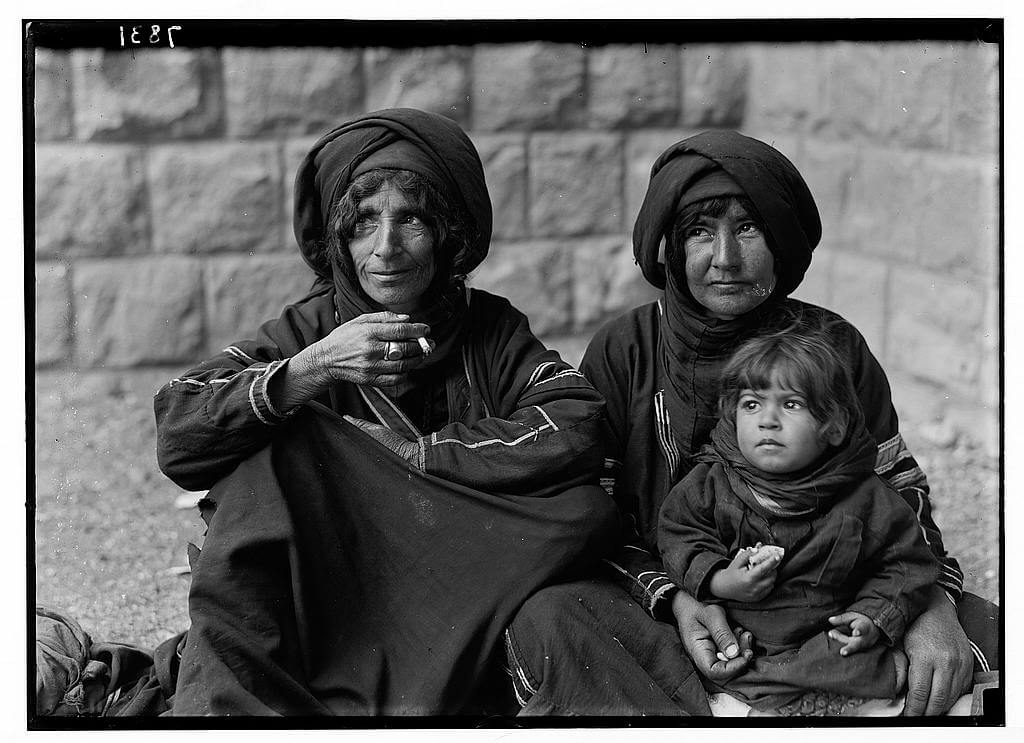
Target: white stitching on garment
<point x="515" y="442"/>
<point x="238" y="352"/>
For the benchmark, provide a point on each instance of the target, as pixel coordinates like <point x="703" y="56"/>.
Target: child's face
<point x="776" y="431"/>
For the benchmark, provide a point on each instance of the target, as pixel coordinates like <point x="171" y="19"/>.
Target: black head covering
<point x="425" y="143"/>
<point x="765" y="175"/>
<point x="692" y="346"/>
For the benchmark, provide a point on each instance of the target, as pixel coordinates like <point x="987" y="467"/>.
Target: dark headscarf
<point x="693" y="346"/>
<point x="762" y="173"/>
<point x="425" y="143"/>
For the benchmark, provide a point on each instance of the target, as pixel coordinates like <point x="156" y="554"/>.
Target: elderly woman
<point x="396" y="463"/>
<point x="726" y="229"/>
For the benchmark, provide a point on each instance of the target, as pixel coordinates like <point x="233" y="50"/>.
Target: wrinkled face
<point x="776" y="431"/>
<point x="729" y="268"/>
<point x="392" y="249"/>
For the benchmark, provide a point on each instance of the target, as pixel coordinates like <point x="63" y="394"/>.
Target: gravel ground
<point x="108" y="535"/>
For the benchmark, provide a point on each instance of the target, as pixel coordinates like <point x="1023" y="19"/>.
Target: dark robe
<point x="336" y="578"/>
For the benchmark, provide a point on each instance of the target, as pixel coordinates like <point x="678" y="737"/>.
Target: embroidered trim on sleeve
<point x="469" y="380"/>
<point x="480" y="444"/>
<point x="238" y="353"/>
<point x="663" y="429"/>
<point x="541" y="368"/>
<point x="561" y="375"/>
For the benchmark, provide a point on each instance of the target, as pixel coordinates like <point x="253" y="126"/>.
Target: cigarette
<point x="425" y="346"/>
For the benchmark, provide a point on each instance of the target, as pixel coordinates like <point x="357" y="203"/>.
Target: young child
<point x="784" y="521"/>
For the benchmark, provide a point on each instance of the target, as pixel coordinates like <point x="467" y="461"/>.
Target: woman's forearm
<point x="300" y="380"/>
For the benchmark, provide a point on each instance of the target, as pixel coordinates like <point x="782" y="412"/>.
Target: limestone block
<point x="575" y="184"/>
<point x="143" y="92"/>
<point x="242" y="292"/>
<point x="90" y="200"/>
<point x="975" y="115"/>
<point x="536" y="276"/>
<point x="786" y="86"/>
<point x="633" y="85"/>
<point x="881" y="216"/>
<point x="829" y="170"/>
<point x="504" y="160"/>
<point x="934" y="210"/>
<point x="816" y="287"/>
<point x="536" y="85"/>
<point x="138" y="311"/>
<point x="853" y="90"/>
<point x="291" y="91"/>
<point x="919" y="82"/>
<point x="430" y="78"/>
<point x="642" y="148"/>
<point x="52" y="100"/>
<point x="294" y="152"/>
<point x="53" y="313"/>
<point x="214" y="197"/>
<point x="607" y="281"/>
<point x="715" y="84"/>
<point x="935" y="327"/>
<point x="955" y="201"/>
<point x="858" y="293"/>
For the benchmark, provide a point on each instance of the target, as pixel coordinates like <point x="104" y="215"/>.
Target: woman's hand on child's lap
<point x="854" y="630"/>
<point x="707" y="638"/>
<point x="741" y="581"/>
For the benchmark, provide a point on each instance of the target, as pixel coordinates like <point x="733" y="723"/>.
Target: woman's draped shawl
<point x="693" y="345"/>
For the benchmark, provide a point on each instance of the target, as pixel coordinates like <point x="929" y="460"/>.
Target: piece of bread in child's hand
<point x="761" y="552"/>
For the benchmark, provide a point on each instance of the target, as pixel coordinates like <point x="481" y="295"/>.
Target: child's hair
<point x="800" y="357"/>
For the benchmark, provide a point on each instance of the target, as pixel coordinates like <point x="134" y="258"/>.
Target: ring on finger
<point x="392" y="351"/>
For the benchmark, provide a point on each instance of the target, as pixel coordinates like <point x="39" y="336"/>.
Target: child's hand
<point x="742" y="581"/>
<point x="855" y="631"/>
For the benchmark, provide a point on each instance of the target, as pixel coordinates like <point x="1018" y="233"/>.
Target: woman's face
<point x="392" y="249"/>
<point x="729" y="268"/>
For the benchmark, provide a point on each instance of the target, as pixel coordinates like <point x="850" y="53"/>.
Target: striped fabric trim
<point x="193" y="382"/>
<point x="653" y="589"/>
<point x="609" y="478"/>
<point x="520" y="684"/>
<point x="980" y="656"/>
<point x="489" y="442"/>
<point x="888" y="452"/>
<point x="541" y="368"/>
<point x="663" y="429"/>
<point x="919" y="512"/>
<point x="910" y="478"/>
<point x="398" y="411"/>
<point x="238" y="353"/>
<point x="669" y="585"/>
<point x="551" y="423"/>
<point x="469" y="380"/>
<point x="271" y="369"/>
<point x="560" y="375"/>
<point x="252" y="402"/>
<point x="257" y="368"/>
<point x="948" y="577"/>
<point x="369" y="403"/>
<point x="891" y="464"/>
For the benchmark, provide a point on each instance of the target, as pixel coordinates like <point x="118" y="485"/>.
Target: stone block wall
<point x="163" y="188"/>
